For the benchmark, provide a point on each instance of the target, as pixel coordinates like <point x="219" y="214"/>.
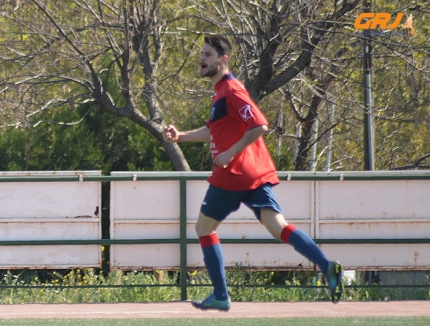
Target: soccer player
<point x="244" y="172"/>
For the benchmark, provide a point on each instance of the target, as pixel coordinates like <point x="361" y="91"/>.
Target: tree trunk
<point x="301" y="163"/>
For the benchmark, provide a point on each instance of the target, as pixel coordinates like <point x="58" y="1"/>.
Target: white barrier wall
<point x="50" y="211"/>
<point x="353" y="206"/>
<point x="151" y="210"/>
<point x="325" y="209"/>
<point x="392" y="209"/>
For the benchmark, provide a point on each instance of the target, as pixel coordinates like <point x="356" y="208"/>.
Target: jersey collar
<point x="229" y="75"/>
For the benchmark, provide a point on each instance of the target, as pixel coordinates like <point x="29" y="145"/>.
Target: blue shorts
<point x="219" y="203"/>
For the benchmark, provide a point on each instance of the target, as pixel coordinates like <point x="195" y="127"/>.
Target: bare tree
<point x="305" y="50"/>
<point x="129" y="59"/>
<point x="278" y="42"/>
<point x="76" y="50"/>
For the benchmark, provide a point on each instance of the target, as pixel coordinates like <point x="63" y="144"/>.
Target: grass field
<point x="403" y="321"/>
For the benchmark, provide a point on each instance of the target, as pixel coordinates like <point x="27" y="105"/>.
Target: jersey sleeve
<point x="242" y="108"/>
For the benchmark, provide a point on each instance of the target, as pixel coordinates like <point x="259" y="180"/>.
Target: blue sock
<point x="305" y="246"/>
<point x="214" y="262"/>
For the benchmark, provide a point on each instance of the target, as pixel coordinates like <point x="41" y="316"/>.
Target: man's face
<point x="210" y="62"/>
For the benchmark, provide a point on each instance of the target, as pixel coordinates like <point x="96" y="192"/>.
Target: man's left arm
<point x="248" y="138"/>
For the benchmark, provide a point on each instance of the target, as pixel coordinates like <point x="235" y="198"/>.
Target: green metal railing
<point x="183" y="177"/>
<point x="293" y="176"/>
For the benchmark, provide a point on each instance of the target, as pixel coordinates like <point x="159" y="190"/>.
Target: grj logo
<point x="373" y="20"/>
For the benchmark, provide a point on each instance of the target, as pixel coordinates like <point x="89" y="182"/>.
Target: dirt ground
<point x="238" y="310"/>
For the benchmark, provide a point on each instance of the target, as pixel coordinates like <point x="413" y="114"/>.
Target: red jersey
<point x="232" y="114"/>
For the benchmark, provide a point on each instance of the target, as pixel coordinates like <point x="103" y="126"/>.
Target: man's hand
<point x="223" y="159"/>
<point x="171" y="134"/>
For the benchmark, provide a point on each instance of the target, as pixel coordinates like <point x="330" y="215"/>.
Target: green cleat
<point x="210" y="303"/>
<point x="334" y="280"/>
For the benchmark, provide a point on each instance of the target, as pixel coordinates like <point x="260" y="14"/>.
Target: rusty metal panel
<point x="252" y="229"/>
<point x="142" y="257"/>
<point x="389" y="209"/>
<point x="166" y="256"/>
<point x="377" y="199"/>
<point x="158" y="199"/>
<point x="52" y="229"/>
<point x="265" y="256"/>
<point x="145" y="229"/>
<point x="134" y="216"/>
<point x="296" y="199"/>
<point x="334" y="209"/>
<point x="50" y="257"/>
<point x="50" y="210"/>
<point x="153" y="229"/>
<point x="49" y="200"/>
<point x="375" y="229"/>
<point x="380" y="256"/>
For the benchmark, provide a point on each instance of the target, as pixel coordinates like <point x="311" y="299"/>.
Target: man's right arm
<point x="173" y="135"/>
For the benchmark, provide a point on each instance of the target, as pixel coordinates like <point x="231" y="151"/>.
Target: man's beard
<point x="211" y="71"/>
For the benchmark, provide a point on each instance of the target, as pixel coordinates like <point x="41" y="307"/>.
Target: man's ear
<point x="224" y="59"/>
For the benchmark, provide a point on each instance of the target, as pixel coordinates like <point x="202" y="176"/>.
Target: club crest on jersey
<point x="245" y="112"/>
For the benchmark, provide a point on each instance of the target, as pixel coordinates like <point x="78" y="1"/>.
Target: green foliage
<point x="93" y="286"/>
<point x="100" y="142"/>
<point x="273" y="286"/>
<point x="50" y="73"/>
<point x="50" y="147"/>
<point x="125" y="145"/>
<point x="87" y="286"/>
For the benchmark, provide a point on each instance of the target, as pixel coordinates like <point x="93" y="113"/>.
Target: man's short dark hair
<point x="220" y="43"/>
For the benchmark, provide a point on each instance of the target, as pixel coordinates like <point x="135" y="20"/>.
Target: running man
<point x="244" y="172"/>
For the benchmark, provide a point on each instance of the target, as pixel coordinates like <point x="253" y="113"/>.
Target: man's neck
<point x="220" y="75"/>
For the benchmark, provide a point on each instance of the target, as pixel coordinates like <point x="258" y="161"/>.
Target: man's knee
<point x="205" y="225"/>
<point x="274" y="222"/>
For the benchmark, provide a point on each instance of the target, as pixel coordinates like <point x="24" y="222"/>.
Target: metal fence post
<point x="183" y="237"/>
